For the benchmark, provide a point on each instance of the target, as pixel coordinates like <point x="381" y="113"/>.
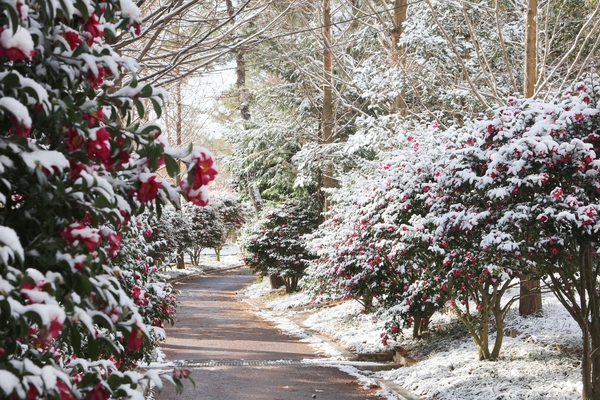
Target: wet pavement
<point x="214" y="325"/>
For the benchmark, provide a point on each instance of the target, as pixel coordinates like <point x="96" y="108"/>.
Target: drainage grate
<point x="266" y="363"/>
<point x="232" y="363"/>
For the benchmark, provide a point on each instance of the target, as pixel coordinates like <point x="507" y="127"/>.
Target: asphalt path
<point x="213" y="325"/>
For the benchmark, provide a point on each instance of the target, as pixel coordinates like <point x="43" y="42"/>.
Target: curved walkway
<point x="234" y="355"/>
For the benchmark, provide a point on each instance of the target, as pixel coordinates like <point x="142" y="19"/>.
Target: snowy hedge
<point x="78" y="304"/>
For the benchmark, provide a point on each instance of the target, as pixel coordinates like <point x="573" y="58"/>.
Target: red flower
<point x="55" y="327"/>
<point x="198" y="196"/>
<point x="554" y="250"/>
<point x="99" y="392"/>
<point x="136" y="338"/>
<point x="204" y="171"/>
<point x="557" y="193"/>
<point x="32" y="393"/>
<point x="74" y="141"/>
<point x="94" y="117"/>
<point x="78" y="231"/>
<point x="99" y="146"/>
<point x="96" y="80"/>
<point x="76" y="168"/>
<point x="73" y="39"/>
<point x="114" y="243"/>
<point x="149" y="188"/>
<point x="94" y="27"/>
<point x="18" y="128"/>
<point x="8" y="45"/>
<point x="63" y="391"/>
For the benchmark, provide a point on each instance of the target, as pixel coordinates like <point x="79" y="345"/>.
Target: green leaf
<point x="14" y="19"/>
<point x="34" y="316"/>
<point x="85" y="284"/>
<point x="30" y="91"/>
<point x="157" y="108"/>
<point x="146" y="91"/>
<point x="82" y="7"/>
<point x="102" y="202"/>
<point x="141" y="110"/>
<point x="93" y="348"/>
<point x="172" y="165"/>
<point x="103" y="321"/>
<point x="81" y="49"/>
<point x="11" y="80"/>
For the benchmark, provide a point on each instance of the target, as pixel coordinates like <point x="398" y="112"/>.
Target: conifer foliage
<point x="76" y="299"/>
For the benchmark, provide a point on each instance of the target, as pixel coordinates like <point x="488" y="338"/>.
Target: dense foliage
<point x="274" y="243"/>
<point x="78" y="302"/>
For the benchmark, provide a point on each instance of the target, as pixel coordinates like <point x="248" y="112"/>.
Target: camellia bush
<point x="206" y="230"/>
<point x="77" y="306"/>
<point x="538" y="180"/>
<point x="377" y="243"/>
<point x="275" y="243"/>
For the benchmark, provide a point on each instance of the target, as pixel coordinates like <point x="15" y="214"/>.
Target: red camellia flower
<point x="99" y="392"/>
<point x="74" y="141"/>
<point x="55" y="327"/>
<point x="18" y="128"/>
<point x="73" y="39"/>
<point x="93" y="118"/>
<point x="99" y="146"/>
<point x="204" y="172"/>
<point x="63" y="391"/>
<point x="114" y="243"/>
<point x="32" y="393"/>
<point x="96" y="80"/>
<point x="16" y="47"/>
<point x="136" y="338"/>
<point x="94" y="27"/>
<point x="78" y="231"/>
<point x="149" y="187"/>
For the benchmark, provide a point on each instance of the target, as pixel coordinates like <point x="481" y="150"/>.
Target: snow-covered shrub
<point x="206" y="230"/>
<point x="377" y="241"/>
<point x="538" y="209"/>
<point x="231" y="211"/>
<point x="275" y="245"/>
<point x="76" y="170"/>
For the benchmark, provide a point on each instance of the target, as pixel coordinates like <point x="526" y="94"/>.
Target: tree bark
<point x="276" y="281"/>
<point x="530" y="75"/>
<point x="327" y="180"/>
<point x="530" y="302"/>
<point x="397" y="54"/>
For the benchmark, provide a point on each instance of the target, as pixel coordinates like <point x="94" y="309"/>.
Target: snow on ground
<point x="541" y="362"/>
<point x="208" y="262"/>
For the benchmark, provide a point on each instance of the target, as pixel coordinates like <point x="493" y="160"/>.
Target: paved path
<point x="213" y="325"/>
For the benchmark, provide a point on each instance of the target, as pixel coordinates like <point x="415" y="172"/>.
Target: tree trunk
<point x="291" y="283"/>
<point x="243" y="92"/>
<point x="367" y="300"/>
<point x="276" y="281"/>
<point x="530" y="302"/>
<point x="180" y="261"/>
<point x="400" y="12"/>
<point x="218" y="254"/>
<point x="530" y="75"/>
<point x="327" y="180"/>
